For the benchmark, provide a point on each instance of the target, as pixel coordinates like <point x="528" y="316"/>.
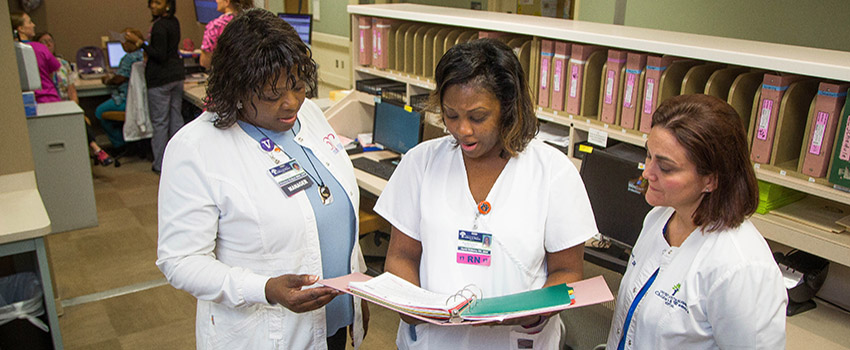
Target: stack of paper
<point x="392" y="291"/>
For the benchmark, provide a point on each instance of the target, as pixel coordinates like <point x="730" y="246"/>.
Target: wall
<point x="79" y="23"/>
<point x="15" y="152"/>
<point x="812" y="23"/>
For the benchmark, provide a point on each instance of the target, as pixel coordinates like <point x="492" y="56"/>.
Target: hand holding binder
<point x="467" y="307"/>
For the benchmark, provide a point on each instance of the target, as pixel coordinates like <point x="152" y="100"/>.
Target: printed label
<point x="764" y="119"/>
<point x="378" y="38"/>
<point x="820" y="127"/>
<point x="544" y="73"/>
<point x="630" y="89"/>
<point x="574" y="81"/>
<point x="556" y="77"/>
<point x="647" y="103"/>
<point x="362" y="42"/>
<point x="609" y="87"/>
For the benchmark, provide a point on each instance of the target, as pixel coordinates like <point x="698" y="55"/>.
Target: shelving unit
<point x="815" y="63"/>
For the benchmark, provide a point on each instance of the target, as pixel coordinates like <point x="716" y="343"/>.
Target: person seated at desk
<point x="64" y="79"/>
<point x="118" y="83"/>
<point x="229" y="9"/>
<point x="488" y="178"/>
<point x="24" y="30"/>
<point x="248" y="244"/>
<point x="700" y="276"/>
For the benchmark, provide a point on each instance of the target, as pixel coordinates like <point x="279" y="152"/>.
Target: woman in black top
<point x="163" y="75"/>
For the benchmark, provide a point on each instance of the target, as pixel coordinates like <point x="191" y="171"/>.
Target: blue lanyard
<point x="633" y="307"/>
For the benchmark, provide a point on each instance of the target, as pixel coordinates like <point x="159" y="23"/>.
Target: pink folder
<point x="655" y="67"/>
<point x="635" y="65"/>
<point x="611" y="83"/>
<point x="828" y="104"/>
<point x="772" y="90"/>
<point x="365" y="36"/>
<point x="578" y="59"/>
<point x="547" y="52"/>
<point x="559" y="68"/>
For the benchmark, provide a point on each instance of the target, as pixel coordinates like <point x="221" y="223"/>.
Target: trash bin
<point x="22" y="316"/>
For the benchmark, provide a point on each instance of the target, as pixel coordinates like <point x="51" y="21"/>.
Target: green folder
<point x="521" y="302"/>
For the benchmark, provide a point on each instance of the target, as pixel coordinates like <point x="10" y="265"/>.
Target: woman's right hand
<point x="132" y="38"/>
<point x="287" y="290"/>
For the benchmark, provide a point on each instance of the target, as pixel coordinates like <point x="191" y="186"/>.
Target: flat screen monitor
<point x="114" y="52"/>
<point x="205" y="11"/>
<point x="396" y="128"/>
<point x="303" y="24"/>
<point x="618" y="205"/>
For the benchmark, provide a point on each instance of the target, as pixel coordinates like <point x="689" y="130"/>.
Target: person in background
<point x="24" y="30"/>
<point x="700" y="276"/>
<point x="118" y="83"/>
<point x="255" y="204"/>
<point x="229" y="9"/>
<point x="63" y="80"/>
<point x="488" y="178"/>
<point x="163" y="74"/>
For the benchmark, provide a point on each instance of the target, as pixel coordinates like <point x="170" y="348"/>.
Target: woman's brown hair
<point x="714" y="139"/>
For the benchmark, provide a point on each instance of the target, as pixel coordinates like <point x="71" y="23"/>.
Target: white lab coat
<point x="539" y="204"/>
<point x="137" y="120"/>
<point x="719" y="290"/>
<point x="225" y="228"/>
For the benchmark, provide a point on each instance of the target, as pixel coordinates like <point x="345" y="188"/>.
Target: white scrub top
<point x="718" y="290"/>
<point x="539" y="204"/>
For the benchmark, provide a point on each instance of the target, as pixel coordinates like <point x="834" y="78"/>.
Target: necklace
<point x="324" y="191"/>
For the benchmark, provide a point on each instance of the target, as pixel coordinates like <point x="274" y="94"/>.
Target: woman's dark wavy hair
<point x="242" y="5"/>
<point x="715" y="140"/>
<point x="252" y="52"/>
<point x="493" y="66"/>
<point x="171" y="6"/>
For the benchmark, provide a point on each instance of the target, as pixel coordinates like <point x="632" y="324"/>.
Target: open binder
<point x="467" y="306"/>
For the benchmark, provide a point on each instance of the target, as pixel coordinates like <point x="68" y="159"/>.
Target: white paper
<point x="556" y="135"/>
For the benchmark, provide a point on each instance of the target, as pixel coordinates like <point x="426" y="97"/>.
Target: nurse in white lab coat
<point x="258" y="200"/>
<point x="700" y="275"/>
<point x="486" y="205"/>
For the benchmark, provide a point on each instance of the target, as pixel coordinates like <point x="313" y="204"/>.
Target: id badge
<point x="290" y="177"/>
<point x="473" y="248"/>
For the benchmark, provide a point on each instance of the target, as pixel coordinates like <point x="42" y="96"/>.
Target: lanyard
<point x="632" y="308"/>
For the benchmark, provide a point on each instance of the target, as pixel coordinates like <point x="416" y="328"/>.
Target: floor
<point x="112" y="294"/>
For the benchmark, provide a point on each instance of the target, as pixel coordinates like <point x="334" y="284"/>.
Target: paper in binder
<point x="824" y="122"/>
<point x="559" y="68"/>
<point x="468" y="306"/>
<point x="578" y="60"/>
<point x="547" y="52"/>
<point x="632" y="86"/>
<point x="655" y="67"/>
<point x="611" y="85"/>
<point x="772" y="89"/>
<point x="365" y="37"/>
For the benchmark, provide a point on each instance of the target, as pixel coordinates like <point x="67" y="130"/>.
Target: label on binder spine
<point x="820" y="127"/>
<point x="647" y="103"/>
<point x="630" y="88"/>
<point x="609" y="87"/>
<point x="574" y="81"/>
<point x="764" y="119"/>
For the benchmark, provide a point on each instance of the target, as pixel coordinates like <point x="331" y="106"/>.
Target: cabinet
<point x="62" y="165"/>
<point x="820" y="327"/>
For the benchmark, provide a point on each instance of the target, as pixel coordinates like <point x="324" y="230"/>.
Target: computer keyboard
<point x="380" y="169"/>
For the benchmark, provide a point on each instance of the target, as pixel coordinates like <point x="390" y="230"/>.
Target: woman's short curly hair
<point x="493" y="66"/>
<point x="253" y="51"/>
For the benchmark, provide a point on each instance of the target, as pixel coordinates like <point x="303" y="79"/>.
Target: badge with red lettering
<point x="473" y="248"/>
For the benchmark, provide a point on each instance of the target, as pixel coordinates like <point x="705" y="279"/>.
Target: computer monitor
<point x="396" y="128"/>
<point x="114" y="53"/>
<point x="618" y="205"/>
<point x="205" y="11"/>
<point x="303" y="24"/>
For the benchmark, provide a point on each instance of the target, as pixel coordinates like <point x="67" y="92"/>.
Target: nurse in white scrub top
<point x="486" y="205"/>
<point x="700" y="275"/>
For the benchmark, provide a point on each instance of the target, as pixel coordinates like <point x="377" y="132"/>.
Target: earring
<point x="239" y="105"/>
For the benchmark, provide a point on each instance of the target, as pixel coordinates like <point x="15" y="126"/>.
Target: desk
<point x="23" y="225"/>
<point x="90" y="88"/>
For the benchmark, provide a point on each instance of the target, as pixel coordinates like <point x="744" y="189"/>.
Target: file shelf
<point x="817" y="63"/>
